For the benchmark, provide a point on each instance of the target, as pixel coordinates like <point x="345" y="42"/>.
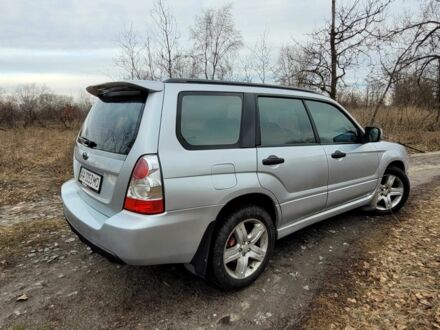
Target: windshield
<point x="112" y="125"/>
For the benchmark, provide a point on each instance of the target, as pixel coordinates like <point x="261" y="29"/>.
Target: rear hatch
<point x="121" y="126"/>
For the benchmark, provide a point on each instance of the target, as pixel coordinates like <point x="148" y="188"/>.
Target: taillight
<point x="141" y="169"/>
<point x="145" y="191"/>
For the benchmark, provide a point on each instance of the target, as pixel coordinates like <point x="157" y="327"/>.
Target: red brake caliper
<point x="232" y="241"/>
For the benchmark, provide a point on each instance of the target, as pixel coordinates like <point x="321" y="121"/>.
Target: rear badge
<point x="85" y="155"/>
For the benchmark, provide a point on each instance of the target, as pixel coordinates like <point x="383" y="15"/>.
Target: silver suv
<point x="211" y="173"/>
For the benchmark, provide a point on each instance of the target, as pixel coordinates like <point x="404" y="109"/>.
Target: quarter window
<point x="284" y="121"/>
<point x="210" y="120"/>
<point x="332" y="125"/>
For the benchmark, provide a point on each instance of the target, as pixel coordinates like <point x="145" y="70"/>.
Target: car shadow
<point x="175" y="279"/>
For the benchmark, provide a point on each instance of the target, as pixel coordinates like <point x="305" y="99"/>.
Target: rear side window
<point x="332" y="125"/>
<point x="284" y="121"/>
<point x="206" y="120"/>
<point x="112" y="125"/>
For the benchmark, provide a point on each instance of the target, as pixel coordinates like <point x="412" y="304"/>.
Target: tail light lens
<point x="145" y="191"/>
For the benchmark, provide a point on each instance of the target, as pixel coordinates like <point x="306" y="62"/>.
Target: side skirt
<point x="293" y="227"/>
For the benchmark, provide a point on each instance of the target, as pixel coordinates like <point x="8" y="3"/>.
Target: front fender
<point x="391" y="152"/>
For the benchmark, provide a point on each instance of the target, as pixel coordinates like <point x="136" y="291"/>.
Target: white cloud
<point x="65" y="44"/>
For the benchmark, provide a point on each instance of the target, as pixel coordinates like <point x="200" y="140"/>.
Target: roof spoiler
<point x="118" y="88"/>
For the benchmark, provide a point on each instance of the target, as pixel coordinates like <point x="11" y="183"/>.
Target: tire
<point x="238" y="257"/>
<point x="400" y="184"/>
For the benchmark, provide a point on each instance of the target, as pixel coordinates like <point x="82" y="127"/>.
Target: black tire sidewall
<point x="219" y="275"/>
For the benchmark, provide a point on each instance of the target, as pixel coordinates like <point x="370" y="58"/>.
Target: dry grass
<point x="397" y="284"/>
<point x="34" y="161"/>
<point x="15" y="240"/>
<point x="412" y="126"/>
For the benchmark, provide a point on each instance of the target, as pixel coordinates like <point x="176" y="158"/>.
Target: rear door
<point x="206" y="148"/>
<point x="291" y="163"/>
<point x="352" y="164"/>
<point x="112" y="137"/>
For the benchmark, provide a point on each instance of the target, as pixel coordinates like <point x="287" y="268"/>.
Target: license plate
<point x="90" y="179"/>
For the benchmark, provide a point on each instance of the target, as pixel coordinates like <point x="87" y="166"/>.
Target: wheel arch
<point x="199" y="263"/>
<point x="397" y="163"/>
<point x="257" y="198"/>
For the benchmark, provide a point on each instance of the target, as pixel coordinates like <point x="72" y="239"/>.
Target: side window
<point x="284" y="121"/>
<point x="332" y="125"/>
<point x="210" y="119"/>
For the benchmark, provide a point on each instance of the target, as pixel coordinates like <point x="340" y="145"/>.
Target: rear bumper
<point x="170" y="237"/>
<point x="95" y="248"/>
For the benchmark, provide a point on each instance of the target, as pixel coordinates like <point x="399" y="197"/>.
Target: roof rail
<point x="233" y="83"/>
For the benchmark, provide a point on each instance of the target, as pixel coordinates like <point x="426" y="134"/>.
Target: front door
<point x="352" y="164"/>
<point x="291" y="163"/>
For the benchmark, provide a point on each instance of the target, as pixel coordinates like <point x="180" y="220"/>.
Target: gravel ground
<point x="50" y="280"/>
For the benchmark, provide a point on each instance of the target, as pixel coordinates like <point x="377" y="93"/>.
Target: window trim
<point x="241" y="142"/>
<point x="258" y="127"/>
<point x="344" y="113"/>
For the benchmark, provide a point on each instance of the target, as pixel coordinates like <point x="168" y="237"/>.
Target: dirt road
<point x="50" y="280"/>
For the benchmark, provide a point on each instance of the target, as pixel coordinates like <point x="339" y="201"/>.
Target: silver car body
<point x="308" y="187"/>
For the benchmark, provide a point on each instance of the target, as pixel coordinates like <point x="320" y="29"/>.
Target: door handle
<point x="338" y="154"/>
<point x="273" y="160"/>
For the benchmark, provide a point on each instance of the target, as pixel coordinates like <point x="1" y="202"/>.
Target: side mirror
<point x="373" y="134"/>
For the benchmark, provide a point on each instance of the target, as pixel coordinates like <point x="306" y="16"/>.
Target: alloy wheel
<point x="390" y="192"/>
<point x="245" y="248"/>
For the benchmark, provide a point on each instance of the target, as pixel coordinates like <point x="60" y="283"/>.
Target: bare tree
<point x="412" y="90"/>
<point x="256" y="63"/>
<point x="169" y="55"/>
<point x="246" y="68"/>
<point x="189" y="66"/>
<point x="262" y="57"/>
<point x="131" y="58"/>
<point x="337" y="47"/>
<point x="216" y="40"/>
<point x="425" y="55"/>
<point x="413" y="44"/>
<point x="290" y="69"/>
<point x="373" y="91"/>
<point x="151" y="58"/>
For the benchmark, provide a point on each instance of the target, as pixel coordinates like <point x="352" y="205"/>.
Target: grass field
<point x="411" y="126"/>
<point x="35" y="161"/>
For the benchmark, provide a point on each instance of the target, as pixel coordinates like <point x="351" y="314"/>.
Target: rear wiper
<point x="87" y="142"/>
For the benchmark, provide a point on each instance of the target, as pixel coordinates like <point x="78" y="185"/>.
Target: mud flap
<point x="200" y="262"/>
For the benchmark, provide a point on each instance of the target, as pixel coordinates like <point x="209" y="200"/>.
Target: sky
<point x="70" y="44"/>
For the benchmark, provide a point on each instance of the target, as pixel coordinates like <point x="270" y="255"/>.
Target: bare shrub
<point x="28" y="99"/>
<point x="9" y="113"/>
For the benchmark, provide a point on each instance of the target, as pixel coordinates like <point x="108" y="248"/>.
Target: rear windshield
<point x="112" y="125"/>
